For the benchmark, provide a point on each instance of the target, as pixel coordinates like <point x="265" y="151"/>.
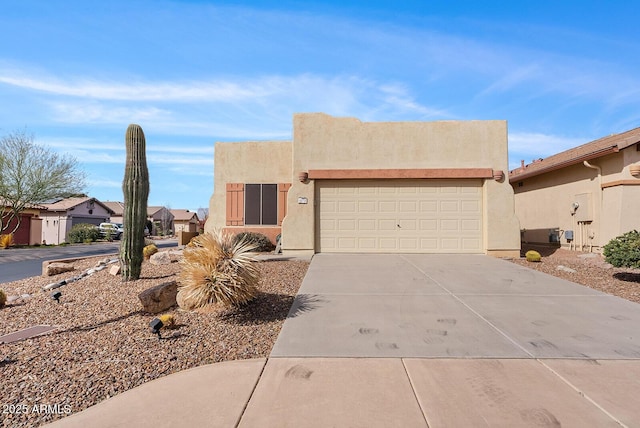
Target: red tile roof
<point x="595" y="149"/>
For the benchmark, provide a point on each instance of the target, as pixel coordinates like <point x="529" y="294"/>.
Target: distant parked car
<point x="111" y="230"/>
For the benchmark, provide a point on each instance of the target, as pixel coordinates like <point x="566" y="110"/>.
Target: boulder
<point x="159" y="298"/>
<point x="184" y="302"/>
<point x="162" y="258"/>
<point x="58" y="268"/>
<point x="175" y="255"/>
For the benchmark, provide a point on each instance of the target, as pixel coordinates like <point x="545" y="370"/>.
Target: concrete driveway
<point x="415" y="341"/>
<point x="460" y="306"/>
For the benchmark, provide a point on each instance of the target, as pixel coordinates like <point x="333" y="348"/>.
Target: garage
<point x="399" y="215"/>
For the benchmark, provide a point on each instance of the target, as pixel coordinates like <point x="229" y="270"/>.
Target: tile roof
<point x="183" y="215"/>
<point x="67" y="203"/>
<point x="115" y="206"/>
<point x="595" y="149"/>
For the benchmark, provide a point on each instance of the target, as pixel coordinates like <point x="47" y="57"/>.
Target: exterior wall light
<point x="635" y="170"/>
<point x="303" y="176"/>
<point x="498" y="175"/>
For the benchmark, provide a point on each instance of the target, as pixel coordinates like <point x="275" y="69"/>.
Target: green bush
<point x="533" y="256"/>
<point x="262" y="243"/>
<point x="624" y="250"/>
<point x="83" y="232"/>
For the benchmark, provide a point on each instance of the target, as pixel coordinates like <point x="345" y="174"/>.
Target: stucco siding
<point x="266" y="162"/>
<point x="325" y="142"/>
<point x="609" y="199"/>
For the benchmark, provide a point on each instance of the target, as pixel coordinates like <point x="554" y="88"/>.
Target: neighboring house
<point x="118" y="211"/>
<point x="61" y="215"/>
<point x="583" y="197"/>
<point x="343" y="185"/>
<point x="29" y="231"/>
<point x="161" y="219"/>
<point x="184" y="221"/>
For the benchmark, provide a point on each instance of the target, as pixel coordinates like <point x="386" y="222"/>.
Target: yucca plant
<point x="218" y="269"/>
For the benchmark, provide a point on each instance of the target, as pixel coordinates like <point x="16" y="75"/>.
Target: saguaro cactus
<point x="135" y="187"/>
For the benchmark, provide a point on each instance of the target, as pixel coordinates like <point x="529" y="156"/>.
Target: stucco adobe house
<point x="583" y="197"/>
<point x="62" y="214"/>
<point x="342" y="185"/>
<point x="29" y="232"/>
<point x="184" y="221"/>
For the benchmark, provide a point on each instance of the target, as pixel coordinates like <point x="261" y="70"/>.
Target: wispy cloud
<point x="139" y="91"/>
<point x="528" y="146"/>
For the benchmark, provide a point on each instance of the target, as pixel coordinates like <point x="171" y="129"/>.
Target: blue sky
<point x="76" y="73"/>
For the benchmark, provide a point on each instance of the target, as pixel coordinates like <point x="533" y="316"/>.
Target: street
<point x="20" y="263"/>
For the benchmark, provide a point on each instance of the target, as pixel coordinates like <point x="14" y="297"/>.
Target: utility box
<point x="568" y="235"/>
<point x="584" y="212"/>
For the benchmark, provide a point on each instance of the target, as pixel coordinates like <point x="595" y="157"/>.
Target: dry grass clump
<point x="218" y="269"/>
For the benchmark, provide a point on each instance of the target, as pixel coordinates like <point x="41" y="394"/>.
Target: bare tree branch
<point x="31" y="174"/>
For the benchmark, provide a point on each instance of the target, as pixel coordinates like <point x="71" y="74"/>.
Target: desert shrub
<point x="261" y="242"/>
<point x="6" y="240"/>
<point x="83" y="232"/>
<point x="217" y="268"/>
<point x="3" y="298"/>
<point x="624" y="250"/>
<point x="168" y="320"/>
<point x="149" y="250"/>
<point x="533" y="256"/>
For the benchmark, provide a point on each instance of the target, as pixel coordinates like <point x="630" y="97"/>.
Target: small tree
<point x="31" y="174"/>
<point x="624" y="250"/>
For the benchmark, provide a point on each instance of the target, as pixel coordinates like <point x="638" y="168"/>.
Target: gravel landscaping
<point x="103" y="344"/>
<point x="588" y="269"/>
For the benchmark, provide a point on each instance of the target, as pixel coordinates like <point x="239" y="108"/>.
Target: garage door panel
<point x="399" y="216"/>
<point x="449" y="206"/>
<point x="387" y="224"/>
<point x="428" y="206"/>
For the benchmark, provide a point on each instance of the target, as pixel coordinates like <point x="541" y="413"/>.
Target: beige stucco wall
<point x="325" y="142"/>
<point x="544" y="202"/>
<point x="246" y="162"/>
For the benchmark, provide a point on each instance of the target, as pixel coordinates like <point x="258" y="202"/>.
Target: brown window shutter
<point x="283" y="188"/>
<point x="235" y="204"/>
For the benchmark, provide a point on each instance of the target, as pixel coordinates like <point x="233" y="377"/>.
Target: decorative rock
<point x="184" y="302"/>
<point x="59" y="267"/>
<point x="159" y="298"/>
<point x="175" y="255"/>
<point x="162" y="258"/>
<point x="566" y="269"/>
<point x="54" y="285"/>
<point x="587" y="256"/>
<point x="90" y="272"/>
<point x="115" y="270"/>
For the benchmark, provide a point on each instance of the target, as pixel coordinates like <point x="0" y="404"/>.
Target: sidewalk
<point x="415" y="341"/>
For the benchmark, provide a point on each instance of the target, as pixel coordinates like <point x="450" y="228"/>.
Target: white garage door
<point x="413" y="216"/>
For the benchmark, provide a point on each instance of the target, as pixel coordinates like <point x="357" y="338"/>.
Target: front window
<point x="261" y="204"/>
